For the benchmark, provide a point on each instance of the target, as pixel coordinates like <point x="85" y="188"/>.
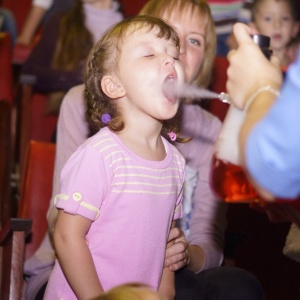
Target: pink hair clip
<point x="172" y="135"/>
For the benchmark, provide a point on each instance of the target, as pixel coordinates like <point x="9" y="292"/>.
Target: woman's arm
<point x="31" y="25"/>
<point x="74" y="255"/>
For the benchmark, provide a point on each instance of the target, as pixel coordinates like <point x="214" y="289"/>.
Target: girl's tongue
<point x="169" y="88"/>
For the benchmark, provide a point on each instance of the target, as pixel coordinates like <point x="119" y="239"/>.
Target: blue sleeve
<point x="273" y="147"/>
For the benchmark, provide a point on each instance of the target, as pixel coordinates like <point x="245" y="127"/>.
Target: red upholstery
<point x="6" y="84"/>
<point x="132" y="8"/>
<point x="36" y="190"/>
<point x="34" y="124"/>
<point x="42" y="125"/>
<point x="21" y="53"/>
<point x="219" y="79"/>
<point x="19" y="8"/>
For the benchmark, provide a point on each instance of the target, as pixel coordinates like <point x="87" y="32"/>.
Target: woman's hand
<point x="249" y="69"/>
<point x="177" y="255"/>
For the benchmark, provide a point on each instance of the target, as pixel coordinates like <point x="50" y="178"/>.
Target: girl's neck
<point x="145" y="144"/>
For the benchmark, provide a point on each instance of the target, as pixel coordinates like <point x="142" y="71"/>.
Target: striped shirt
<point x="226" y="12"/>
<point x="131" y="201"/>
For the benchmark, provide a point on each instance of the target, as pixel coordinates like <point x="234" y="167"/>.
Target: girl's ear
<point x="112" y="87"/>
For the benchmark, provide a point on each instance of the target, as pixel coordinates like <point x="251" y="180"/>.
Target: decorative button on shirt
<point x="77" y="196"/>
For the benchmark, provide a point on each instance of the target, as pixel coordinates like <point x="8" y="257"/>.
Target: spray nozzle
<point x="224" y="97"/>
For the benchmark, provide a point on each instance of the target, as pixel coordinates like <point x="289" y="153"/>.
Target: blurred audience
<point x="8" y="23"/>
<point x="225" y="14"/>
<point x="57" y="60"/>
<point x="40" y="11"/>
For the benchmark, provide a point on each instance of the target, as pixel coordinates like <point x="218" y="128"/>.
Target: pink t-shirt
<point x="131" y="201"/>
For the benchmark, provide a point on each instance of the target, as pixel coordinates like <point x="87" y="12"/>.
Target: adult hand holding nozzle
<point x="249" y="69"/>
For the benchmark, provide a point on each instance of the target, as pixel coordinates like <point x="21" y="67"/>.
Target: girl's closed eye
<point x="149" y="55"/>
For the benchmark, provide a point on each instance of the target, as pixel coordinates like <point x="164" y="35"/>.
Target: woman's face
<point x="191" y="29"/>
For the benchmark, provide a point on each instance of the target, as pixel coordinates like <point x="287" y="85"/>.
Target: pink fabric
<point x="131" y="201"/>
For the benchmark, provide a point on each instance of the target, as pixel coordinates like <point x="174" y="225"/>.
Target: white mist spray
<point x="171" y="90"/>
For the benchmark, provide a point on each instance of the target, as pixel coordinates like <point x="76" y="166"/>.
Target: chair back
<point x="6" y="163"/>
<point x="32" y="121"/>
<point x="36" y="190"/>
<point x="6" y="74"/>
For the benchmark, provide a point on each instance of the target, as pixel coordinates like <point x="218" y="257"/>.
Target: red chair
<point x="33" y="122"/>
<point x="36" y="190"/>
<point x="31" y="223"/>
<point x="132" y="8"/>
<point x="218" y="85"/>
<point x="13" y="232"/>
<point x="6" y="163"/>
<point x="6" y="75"/>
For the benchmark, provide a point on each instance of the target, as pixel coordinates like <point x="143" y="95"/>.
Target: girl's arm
<point x="74" y="255"/>
<point x="167" y="283"/>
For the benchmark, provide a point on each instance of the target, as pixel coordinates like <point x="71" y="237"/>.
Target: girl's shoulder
<point x="100" y="140"/>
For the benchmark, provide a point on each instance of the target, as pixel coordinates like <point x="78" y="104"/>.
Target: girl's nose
<point x="169" y="60"/>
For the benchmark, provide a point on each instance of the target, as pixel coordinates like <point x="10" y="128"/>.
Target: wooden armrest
<point x="14" y="224"/>
<point x="12" y="241"/>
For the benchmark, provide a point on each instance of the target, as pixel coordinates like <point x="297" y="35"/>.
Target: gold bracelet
<point x="265" y="88"/>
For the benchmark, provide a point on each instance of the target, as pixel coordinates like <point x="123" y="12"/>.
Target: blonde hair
<point x="132" y="291"/>
<point x="160" y="7"/>
<point x="103" y="59"/>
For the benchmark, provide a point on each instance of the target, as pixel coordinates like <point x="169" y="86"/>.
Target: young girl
<point x="122" y="189"/>
<point x="278" y="20"/>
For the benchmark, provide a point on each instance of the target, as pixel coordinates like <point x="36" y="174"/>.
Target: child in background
<point x="278" y="20"/>
<point x="122" y="189"/>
